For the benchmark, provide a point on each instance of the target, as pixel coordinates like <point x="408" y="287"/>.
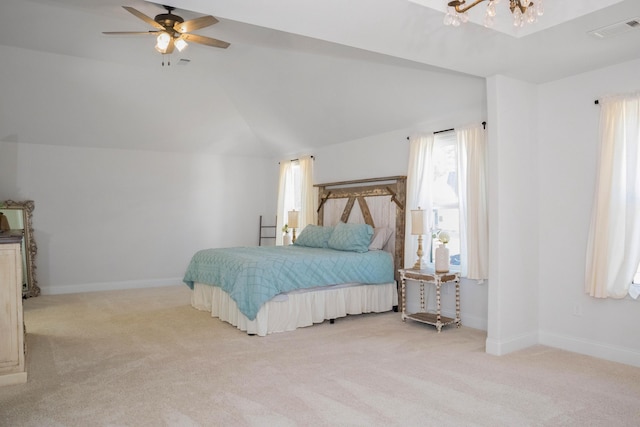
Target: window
<point x="445" y="197"/>
<point x="295" y="191"/>
<point x="292" y="189"/>
<point x="447" y="177"/>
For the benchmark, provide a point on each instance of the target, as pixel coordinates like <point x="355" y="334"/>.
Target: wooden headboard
<point x="392" y="188"/>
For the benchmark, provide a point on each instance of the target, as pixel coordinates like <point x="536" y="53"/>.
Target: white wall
<point x="113" y="216"/>
<point x="386" y="154"/>
<point x="78" y="102"/>
<point x="568" y="141"/>
<point x="513" y="216"/>
<point x="108" y="219"/>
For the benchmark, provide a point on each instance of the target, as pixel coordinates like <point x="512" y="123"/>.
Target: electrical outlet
<point x="577" y="309"/>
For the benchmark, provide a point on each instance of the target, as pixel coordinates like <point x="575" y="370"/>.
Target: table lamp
<point x="292" y="222"/>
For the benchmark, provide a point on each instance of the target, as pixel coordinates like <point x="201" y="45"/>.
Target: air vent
<point x="184" y="61"/>
<point x="616" y="29"/>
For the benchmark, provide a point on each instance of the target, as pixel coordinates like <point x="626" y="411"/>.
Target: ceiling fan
<point x="172" y="31"/>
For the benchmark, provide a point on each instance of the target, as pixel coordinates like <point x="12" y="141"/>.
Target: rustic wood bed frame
<point x="357" y="190"/>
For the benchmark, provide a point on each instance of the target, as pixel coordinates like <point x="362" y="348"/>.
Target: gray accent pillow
<point x="380" y="238"/>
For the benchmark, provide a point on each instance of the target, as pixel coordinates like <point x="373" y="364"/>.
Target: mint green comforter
<point x="254" y="275"/>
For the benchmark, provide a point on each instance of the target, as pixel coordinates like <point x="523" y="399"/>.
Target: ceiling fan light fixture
<point x="180" y="44"/>
<point x="163" y="41"/>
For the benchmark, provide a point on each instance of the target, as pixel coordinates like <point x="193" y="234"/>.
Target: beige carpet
<point x="146" y="358"/>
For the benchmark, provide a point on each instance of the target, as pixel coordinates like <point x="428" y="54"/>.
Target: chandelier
<point x="523" y="11"/>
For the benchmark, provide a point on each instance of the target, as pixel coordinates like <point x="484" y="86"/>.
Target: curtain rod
<point x="295" y="160"/>
<point x="484" y="126"/>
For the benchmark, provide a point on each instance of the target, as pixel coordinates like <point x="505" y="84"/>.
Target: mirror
<point x="15" y="217"/>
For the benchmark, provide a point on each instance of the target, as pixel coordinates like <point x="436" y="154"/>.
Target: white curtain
<point x="286" y="175"/>
<point x="292" y="181"/>
<point x="309" y="198"/>
<point x="474" y="222"/>
<point x="418" y="193"/>
<point x="613" y="249"/>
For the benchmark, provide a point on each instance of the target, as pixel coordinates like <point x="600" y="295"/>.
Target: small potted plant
<point x="286" y="239"/>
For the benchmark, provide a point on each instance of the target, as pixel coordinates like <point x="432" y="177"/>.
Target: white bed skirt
<point x="297" y="309"/>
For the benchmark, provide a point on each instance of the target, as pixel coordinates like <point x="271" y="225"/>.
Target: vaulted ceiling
<point x="299" y="73"/>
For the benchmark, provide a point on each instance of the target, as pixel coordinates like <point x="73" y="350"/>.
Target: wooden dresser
<point x="12" y="351"/>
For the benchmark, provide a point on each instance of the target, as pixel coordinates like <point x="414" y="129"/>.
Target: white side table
<point x="436" y="279"/>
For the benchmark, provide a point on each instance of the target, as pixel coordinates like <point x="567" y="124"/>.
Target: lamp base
<point x="418" y="265"/>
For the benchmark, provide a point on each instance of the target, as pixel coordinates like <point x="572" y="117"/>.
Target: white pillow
<point x="380" y="238"/>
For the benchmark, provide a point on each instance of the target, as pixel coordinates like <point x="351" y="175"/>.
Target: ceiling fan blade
<point x="130" y="33"/>
<point x="170" y="47"/>
<point x="144" y="17"/>
<point x="195" y="24"/>
<point x="205" y="40"/>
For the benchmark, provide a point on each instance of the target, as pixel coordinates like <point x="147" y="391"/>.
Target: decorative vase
<point x="286" y="239"/>
<point x="442" y="258"/>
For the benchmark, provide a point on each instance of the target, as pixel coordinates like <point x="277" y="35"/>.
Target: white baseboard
<point x="501" y="347"/>
<point x="470" y="321"/>
<point x="13" y="379"/>
<point x="591" y="348"/>
<point x="110" y="286"/>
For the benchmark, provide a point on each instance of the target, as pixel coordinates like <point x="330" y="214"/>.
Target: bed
<point x="263" y="290"/>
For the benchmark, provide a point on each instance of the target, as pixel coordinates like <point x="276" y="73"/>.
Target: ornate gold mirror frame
<point x="30" y="248"/>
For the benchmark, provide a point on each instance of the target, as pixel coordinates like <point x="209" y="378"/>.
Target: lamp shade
<point x="418" y="221"/>
<point x="292" y="220"/>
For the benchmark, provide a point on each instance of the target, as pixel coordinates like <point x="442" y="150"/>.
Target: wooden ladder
<point x="270" y="231"/>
